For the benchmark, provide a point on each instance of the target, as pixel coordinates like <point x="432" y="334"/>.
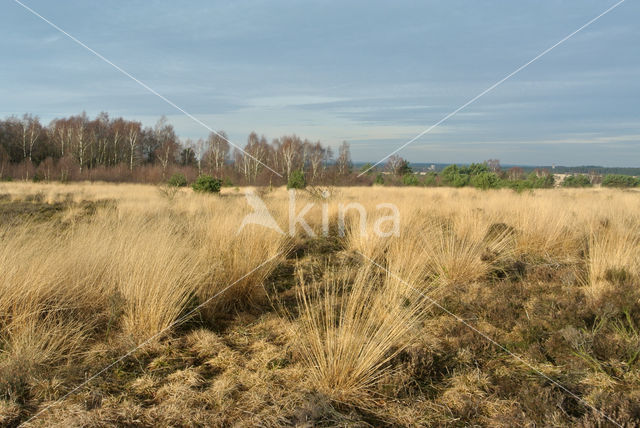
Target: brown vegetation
<point x="331" y="330"/>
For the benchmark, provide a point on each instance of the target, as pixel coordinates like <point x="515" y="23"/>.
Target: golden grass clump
<point x="241" y="259"/>
<point x="156" y="272"/>
<point x="460" y="249"/>
<point x="351" y="330"/>
<point x="613" y="258"/>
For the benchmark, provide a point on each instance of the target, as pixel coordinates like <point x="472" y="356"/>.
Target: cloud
<point x="51" y="38"/>
<point x="293" y="101"/>
<point x="372" y="74"/>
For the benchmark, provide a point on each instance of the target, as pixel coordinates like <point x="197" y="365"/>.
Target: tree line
<point x="490" y="175"/>
<point x="116" y="149"/>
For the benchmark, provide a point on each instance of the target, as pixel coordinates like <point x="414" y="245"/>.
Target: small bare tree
<point x="199" y="150"/>
<point x="31" y="130"/>
<point x="218" y="151"/>
<point x="343" y="163"/>
<point x="80" y="142"/>
<point x="61" y="133"/>
<point x="290" y="154"/>
<point x="118" y="131"/>
<point x="133" y="135"/>
<point x="494" y="165"/>
<point x="515" y="173"/>
<point x="167" y="150"/>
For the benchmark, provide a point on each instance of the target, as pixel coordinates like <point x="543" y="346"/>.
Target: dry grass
<point x="613" y="257"/>
<point x="461" y="250"/>
<point x="351" y="329"/>
<point x="89" y="270"/>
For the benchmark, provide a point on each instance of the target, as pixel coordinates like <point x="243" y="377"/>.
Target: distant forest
<point x="582" y="169"/>
<point x="116" y="149"/>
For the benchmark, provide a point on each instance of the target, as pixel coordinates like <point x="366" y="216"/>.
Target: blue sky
<point x="372" y="73"/>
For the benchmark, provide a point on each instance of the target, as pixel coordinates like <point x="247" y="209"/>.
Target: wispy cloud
<point x="51" y="39"/>
<point x="283" y="101"/>
<point x="371" y="74"/>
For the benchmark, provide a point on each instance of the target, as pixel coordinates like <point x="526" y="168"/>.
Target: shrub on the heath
<point x="296" y="180"/>
<point x="207" y="184"/>
<point x="579" y="180"/>
<point x="178" y="180"/>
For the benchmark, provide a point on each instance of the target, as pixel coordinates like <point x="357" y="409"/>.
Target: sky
<point x="374" y="74"/>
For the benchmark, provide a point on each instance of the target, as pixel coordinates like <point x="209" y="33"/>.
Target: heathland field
<point x="135" y="305"/>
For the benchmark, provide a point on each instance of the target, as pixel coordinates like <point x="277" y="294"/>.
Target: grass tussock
<point x="351" y="329"/>
<point x="612" y="258"/>
<point x="459" y="251"/>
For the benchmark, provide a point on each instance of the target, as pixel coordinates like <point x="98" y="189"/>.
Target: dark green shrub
<point x="296" y="180"/>
<point x="460" y="180"/>
<point x="579" y="180"/>
<point x="474" y="169"/>
<point x="178" y="180"/>
<point x="379" y="180"/>
<point x="449" y="173"/>
<point x="619" y="180"/>
<point x="431" y="179"/>
<point x="410" y="180"/>
<point x="207" y="184"/>
<point x="37" y="177"/>
<point x="453" y="176"/>
<point x="485" y="180"/>
<point x="541" y="180"/>
<point x="404" y="168"/>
